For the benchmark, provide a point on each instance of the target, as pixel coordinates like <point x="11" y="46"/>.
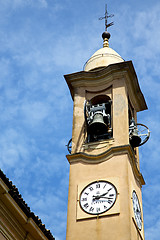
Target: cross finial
<point x="106" y="18"/>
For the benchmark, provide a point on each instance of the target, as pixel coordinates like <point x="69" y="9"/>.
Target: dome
<point x="102" y="58"/>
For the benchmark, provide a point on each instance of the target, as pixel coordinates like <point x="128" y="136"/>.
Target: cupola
<point x="104" y="56"/>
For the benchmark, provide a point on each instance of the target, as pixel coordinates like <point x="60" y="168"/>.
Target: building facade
<point x="17" y="221"/>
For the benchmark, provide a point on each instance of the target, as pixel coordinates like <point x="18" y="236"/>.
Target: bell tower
<point x="104" y="199"/>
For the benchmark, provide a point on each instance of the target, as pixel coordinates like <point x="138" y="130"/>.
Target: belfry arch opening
<point x="131" y="112"/>
<point x="98" y="118"/>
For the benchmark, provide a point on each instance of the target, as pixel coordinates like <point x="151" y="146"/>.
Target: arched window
<point x="98" y="118"/>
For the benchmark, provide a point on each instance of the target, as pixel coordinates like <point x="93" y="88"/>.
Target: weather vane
<point x="106" y="19"/>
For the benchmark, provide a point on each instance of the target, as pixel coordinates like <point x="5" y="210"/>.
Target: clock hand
<point x="106" y="192"/>
<point x="102" y="197"/>
<point x="98" y="197"/>
<point x="107" y="197"/>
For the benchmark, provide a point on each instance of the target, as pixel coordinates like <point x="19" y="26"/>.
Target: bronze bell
<point x="98" y="126"/>
<point x="135" y="140"/>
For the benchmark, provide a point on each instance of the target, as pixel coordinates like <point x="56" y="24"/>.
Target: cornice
<point x="113" y="151"/>
<point x="105" y="76"/>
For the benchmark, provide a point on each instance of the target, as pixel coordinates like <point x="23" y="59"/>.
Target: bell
<point x="135" y="140"/>
<point x="98" y="126"/>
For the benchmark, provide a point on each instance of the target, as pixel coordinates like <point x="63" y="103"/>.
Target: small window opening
<point x="98" y="118"/>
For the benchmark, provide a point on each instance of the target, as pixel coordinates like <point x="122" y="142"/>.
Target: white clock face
<point x="137" y="210"/>
<point x="98" y="197"/>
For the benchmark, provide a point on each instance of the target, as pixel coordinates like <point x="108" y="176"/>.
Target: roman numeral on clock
<point x="86" y="205"/>
<point x="111" y="195"/>
<point x="91" y="209"/>
<point x="84" y="199"/>
<point x="105" y="185"/>
<point x="97" y="185"/>
<point x="98" y="210"/>
<point x="86" y="193"/>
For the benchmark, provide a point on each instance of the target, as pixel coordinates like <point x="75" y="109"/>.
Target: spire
<point x="106" y="35"/>
<point x="104" y="56"/>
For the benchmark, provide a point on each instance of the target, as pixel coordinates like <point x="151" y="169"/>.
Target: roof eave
<point x="91" y="78"/>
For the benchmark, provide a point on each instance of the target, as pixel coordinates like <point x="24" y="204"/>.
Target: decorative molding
<point x="113" y="151"/>
<point x="4" y="234"/>
<point x="124" y="70"/>
<point x="99" y="144"/>
<point x="9" y="224"/>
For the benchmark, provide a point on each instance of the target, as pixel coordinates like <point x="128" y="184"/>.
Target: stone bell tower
<point x="104" y="199"/>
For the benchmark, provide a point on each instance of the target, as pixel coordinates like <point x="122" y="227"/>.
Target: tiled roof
<point x="13" y="191"/>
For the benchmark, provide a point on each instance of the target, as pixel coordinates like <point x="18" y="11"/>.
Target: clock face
<point x="98" y="197"/>
<point x="137" y="210"/>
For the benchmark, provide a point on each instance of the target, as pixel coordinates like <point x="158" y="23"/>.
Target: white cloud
<point x="24" y="3"/>
<point x="35" y="112"/>
<point x="14" y="149"/>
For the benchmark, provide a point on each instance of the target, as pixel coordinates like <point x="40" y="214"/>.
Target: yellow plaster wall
<point x="81" y="225"/>
<point x="120" y="113"/>
<point x="119" y="82"/>
<point x="118" y="94"/>
<point x="11" y="227"/>
<point x="134" y="185"/>
<point x="14" y="224"/>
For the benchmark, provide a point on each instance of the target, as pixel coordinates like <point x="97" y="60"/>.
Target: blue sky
<point x="40" y="41"/>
